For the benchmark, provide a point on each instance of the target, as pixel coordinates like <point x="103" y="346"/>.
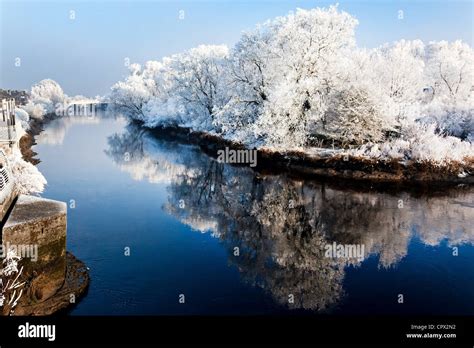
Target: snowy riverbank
<point x="329" y="163"/>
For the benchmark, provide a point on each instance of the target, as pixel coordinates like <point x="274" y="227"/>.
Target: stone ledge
<point x="32" y="208"/>
<point x="37" y="226"/>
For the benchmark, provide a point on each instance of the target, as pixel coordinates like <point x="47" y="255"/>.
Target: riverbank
<point x="76" y="275"/>
<point x="324" y="164"/>
<point x="27" y="141"/>
<point x="331" y="164"/>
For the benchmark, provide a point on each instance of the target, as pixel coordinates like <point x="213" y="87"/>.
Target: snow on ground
<point x="28" y="178"/>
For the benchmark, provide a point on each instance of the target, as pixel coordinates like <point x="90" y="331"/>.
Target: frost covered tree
<point x="396" y="71"/>
<point x="45" y="98"/>
<point x="131" y="95"/>
<point x="187" y="88"/>
<point x="450" y="78"/>
<point x="250" y="79"/>
<point x="353" y="117"/>
<point x="199" y="81"/>
<point x="48" y="90"/>
<point x="309" y="46"/>
<point x="450" y="69"/>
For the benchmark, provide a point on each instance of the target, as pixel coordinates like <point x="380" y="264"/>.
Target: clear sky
<point x="86" y="53"/>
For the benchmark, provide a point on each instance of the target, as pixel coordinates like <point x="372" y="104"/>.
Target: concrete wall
<point x="41" y="222"/>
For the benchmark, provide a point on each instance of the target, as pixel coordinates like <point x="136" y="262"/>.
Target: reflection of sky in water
<point x="58" y="128"/>
<point x="153" y="196"/>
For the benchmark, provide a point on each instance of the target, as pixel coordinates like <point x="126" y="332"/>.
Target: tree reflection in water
<point x="275" y="228"/>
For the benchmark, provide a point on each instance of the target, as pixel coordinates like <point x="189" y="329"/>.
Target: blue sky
<point x="86" y="54"/>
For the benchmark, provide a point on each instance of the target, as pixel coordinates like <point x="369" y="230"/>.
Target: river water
<point x="159" y="223"/>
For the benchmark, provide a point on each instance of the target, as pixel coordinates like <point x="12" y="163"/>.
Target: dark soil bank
<point x="300" y="164"/>
<point x="27" y="141"/>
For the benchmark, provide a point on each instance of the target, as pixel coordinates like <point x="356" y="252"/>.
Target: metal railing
<point x="4" y="178"/>
<point x="7" y="185"/>
<point x="7" y="121"/>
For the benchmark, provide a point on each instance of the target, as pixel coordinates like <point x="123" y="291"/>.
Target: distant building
<point x="7" y="140"/>
<point x="21" y="97"/>
<point x="7" y="122"/>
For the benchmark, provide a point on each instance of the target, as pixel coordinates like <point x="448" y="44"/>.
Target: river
<point x="160" y="223"/>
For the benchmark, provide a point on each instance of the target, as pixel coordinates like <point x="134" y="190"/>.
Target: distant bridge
<point x="84" y="108"/>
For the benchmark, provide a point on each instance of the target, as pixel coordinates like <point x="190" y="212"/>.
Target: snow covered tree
<point x="353" y="117"/>
<point x="45" y="98"/>
<point x="131" y="95"/>
<point x="249" y="78"/>
<point x="310" y="46"/>
<point x="48" y="90"/>
<point x="198" y="80"/>
<point x="450" y="69"/>
<point x="396" y="71"/>
<point x="186" y="89"/>
<point x="449" y="77"/>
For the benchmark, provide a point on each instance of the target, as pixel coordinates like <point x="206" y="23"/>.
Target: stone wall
<point x="40" y="222"/>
